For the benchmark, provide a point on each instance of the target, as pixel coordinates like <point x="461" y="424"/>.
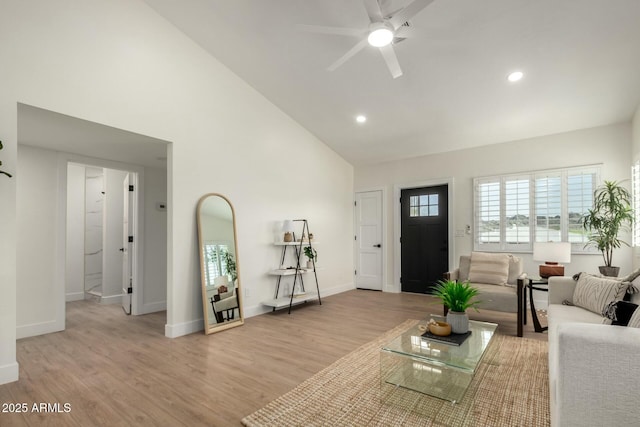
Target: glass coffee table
<point x="434" y="368"/>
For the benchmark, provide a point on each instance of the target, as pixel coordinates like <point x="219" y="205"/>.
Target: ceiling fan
<point x="386" y="27"/>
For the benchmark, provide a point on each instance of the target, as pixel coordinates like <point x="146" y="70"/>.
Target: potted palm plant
<point x="457" y="297"/>
<point x="611" y="214"/>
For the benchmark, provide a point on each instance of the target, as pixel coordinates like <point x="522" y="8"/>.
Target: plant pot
<point x="310" y="265"/>
<point x="459" y="322"/>
<point x="609" y="271"/>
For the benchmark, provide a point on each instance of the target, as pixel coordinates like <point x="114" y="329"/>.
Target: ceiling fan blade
<point x="357" y="48"/>
<point x="331" y="30"/>
<point x="408" y="12"/>
<point x="391" y="59"/>
<point x="373" y="10"/>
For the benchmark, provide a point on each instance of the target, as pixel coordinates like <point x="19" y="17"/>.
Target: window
<point x="513" y="211"/>
<point x="216" y="262"/>
<point x="424" y="205"/>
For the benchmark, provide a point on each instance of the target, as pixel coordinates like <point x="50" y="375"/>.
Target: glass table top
<point x="465" y="357"/>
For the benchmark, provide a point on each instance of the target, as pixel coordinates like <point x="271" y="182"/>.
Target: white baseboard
<point x="153" y="307"/>
<point x="74" y="296"/>
<point x="186" y="328"/>
<point x="35" y="329"/>
<point x="113" y="299"/>
<point x="390" y="287"/>
<point x="255" y="310"/>
<point x="9" y="373"/>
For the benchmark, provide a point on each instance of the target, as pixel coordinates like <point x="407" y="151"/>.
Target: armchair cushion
<point x="490" y="268"/>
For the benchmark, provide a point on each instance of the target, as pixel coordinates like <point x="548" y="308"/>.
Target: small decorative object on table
<point x="441" y="329"/>
<point x="457" y="298"/>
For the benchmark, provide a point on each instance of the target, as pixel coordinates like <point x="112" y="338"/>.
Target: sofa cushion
<point x="490" y="268"/>
<point x="557" y="314"/>
<point x="634" y="322"/>
<point x="596" y="293"/>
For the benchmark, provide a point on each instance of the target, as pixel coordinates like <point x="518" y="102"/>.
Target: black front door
<point x="424" y="237"/>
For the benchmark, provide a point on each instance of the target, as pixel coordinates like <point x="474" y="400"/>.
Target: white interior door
<point x="368" y="213"/>
<point x="127" y="249"/>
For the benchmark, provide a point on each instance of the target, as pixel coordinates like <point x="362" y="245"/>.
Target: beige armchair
<point x="499" y="279"/>
<point x="224" y="299"/>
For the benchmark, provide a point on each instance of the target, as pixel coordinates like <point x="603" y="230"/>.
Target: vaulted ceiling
<point x="580" y="58"/>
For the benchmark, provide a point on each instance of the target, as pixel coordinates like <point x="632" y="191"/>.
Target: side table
<point x="537" y="284"/>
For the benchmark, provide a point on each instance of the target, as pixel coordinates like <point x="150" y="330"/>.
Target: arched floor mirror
<point x="219" y="266"/>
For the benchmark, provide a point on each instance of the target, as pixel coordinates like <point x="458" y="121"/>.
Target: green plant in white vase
<point x="312" y="255"/>
<point x="457" y="297"/>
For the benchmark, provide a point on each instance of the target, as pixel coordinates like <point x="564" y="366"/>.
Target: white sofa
<point x="594" y="368"/>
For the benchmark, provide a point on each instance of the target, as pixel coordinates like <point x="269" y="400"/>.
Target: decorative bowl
<point x="442" y="329"/>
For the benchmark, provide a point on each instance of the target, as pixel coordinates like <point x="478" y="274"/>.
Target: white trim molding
<point x="9" y="373"/>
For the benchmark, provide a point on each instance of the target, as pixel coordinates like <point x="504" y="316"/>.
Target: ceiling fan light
<point x="516" y="76"/>
<point x="380" y="37"/>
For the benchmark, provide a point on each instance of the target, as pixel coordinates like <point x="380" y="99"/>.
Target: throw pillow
<point x="489" y="268"/>
<point x="631" y="276"/>
<point x="596" y="293"/>
<point x="634" y="322"/>
<point x="619" y="312"/>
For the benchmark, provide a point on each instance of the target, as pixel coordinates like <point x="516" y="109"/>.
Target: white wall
<point x="40" y="296"/>
<point x="608" y="145"/>
<point x="635" y="156"/>
<point x="154" y="297"/>
<point x="130" y="69"/>
<point x="94" y="198"/>
<point x="112" y="241"/>
<point x="74" y="273"/>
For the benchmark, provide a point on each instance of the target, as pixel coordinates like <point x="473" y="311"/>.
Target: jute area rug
<point x="510" y="388"/>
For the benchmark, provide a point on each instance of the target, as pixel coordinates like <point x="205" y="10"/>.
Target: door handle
<point x="377" y="246"/>
<point x="121" y="249"/>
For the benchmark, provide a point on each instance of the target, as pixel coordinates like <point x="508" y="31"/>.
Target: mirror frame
<point x="211" y="328"/>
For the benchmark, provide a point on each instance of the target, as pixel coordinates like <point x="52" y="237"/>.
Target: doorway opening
<point x="48" y="142"/>
<point x="101" y="261"/>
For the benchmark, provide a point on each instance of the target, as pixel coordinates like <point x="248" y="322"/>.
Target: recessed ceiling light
<point x="515" y="76"/>
<point x="361" y="119"/>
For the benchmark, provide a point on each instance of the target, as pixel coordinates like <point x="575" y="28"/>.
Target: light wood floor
<point x="120" y="370"/>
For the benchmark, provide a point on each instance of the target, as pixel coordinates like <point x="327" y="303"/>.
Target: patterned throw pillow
<point x="620" y="312"/>
<point x="489" y="268"/>
<point x="634" y="322"/>
<point x="596" y="293"/>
